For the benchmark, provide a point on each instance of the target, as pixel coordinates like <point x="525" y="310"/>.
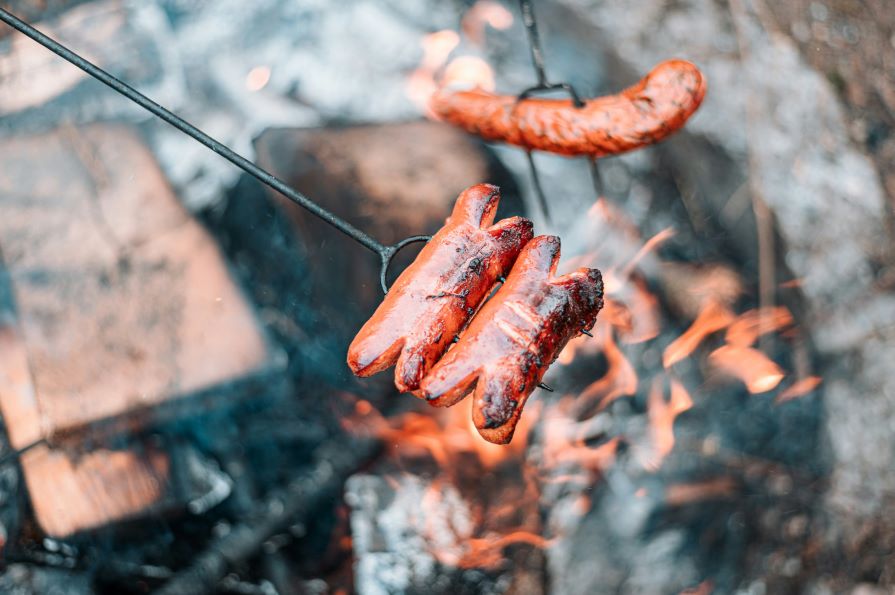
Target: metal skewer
<point x="386" y="253"/>
<point x="543" y="84"/>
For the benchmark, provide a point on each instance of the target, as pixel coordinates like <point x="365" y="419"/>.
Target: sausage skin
<point x="432" y="300"/>
<point x="646" y="113"/>
<point x="514" y="338"/>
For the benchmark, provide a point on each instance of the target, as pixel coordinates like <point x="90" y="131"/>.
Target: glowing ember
<point x="703" y="588"/>
<point x="682" y="494"/>
<point x="712" y="319"/>
<point x="258" y="78"/>
<point x="749" y="365"/>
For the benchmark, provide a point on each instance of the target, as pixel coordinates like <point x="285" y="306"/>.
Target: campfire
<point x="179" y="415"/>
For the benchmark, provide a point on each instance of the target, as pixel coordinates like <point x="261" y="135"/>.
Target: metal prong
<point x="545" y="387"/>
<point x="595" y="176"/>
<point x="587" y="332"/>
<point x="502" y="279"/>
<point x="569" y="89"/>
<point x="539" y="191"/>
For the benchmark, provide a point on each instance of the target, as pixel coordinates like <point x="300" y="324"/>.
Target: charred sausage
<point x="432" y="300"/>
<point x="514" y="338"/>
<point x="641" y="115"/>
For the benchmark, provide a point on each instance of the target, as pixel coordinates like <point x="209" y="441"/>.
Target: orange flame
<point x="661" y="416"/>
<point x="799" y="389"/>
<point x="712" y="319"/>
<point x="755" y="323"/>
<point x="469" y="72"/>
<point x="444" y="434"/>
<point x="681" y="494"/>
<point x="749" y="365"/>
<point x="485" y="13"/>
<point x="619" y="380"/>
<point x="703" y="588"/>
<point x="421" y="83"/>
<point x="566" y="457"/>
<point x="633" y="311"/>
<point x="487" y="552"/>
<point x="648" y="246"/>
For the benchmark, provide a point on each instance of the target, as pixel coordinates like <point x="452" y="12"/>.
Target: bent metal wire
<point x="386" y="253"/>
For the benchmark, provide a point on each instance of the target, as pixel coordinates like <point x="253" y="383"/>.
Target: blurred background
<point x="178" y="416"/>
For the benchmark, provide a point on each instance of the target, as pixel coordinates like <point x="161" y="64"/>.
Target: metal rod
<point x="539" y="191"/>
<point x="595" y="176"/>
<point x="16" y="454"/>
<point x="534" y="40"/>
<point x="193" y="132"/>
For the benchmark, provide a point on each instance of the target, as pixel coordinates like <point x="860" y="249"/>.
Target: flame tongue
<point x="713" y="318"/>
<point x="749" y="365"/>
<point x="661" y="415"/>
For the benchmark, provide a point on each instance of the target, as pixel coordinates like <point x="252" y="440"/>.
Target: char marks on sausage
<point x="514" y="338"/>
<point x="434" y="298"/>
<point x="656" y="107"/>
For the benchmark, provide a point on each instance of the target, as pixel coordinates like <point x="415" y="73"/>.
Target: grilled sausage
<point x="641" y="115"/>
<point x="432" y="300"/>
<point x="514" y="338"/>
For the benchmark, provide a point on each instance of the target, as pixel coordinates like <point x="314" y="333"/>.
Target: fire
<point x="661" y="415"/>
<point x="463" y="71"/>
<point x="749" y="365"/>
<point x="436" y="49"/>
<point x="799" y="388"/>
<point x="469" y="72"/>
<point x="487" y="552"/>
<point x="619" y="380"/>
<point x="485" y="13"/>
<point x="703" y="588"/>
<point x="737" y="357"/>
<point x="648" y="246"/>
<point x="452" y="527"/>
<point x="566" y="455"/>
<point x="446" y="435"/>
<point x="633" y="311"/>
<point x="682" y="494"/>
<point x="755" y="323"/>
<point x="713" y="318"/>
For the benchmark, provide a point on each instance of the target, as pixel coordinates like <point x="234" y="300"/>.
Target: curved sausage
<point x="514" y="338"/>
<point x="435" y="296"/>
<point x="646" y="113"/>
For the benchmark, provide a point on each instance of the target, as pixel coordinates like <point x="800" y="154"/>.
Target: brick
<point x="115" y="306"/>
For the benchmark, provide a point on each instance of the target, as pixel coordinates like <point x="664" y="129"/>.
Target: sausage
<point x="646" y="113"/>
<point x="514" y="338"/>
<point x="432" y="300"/>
